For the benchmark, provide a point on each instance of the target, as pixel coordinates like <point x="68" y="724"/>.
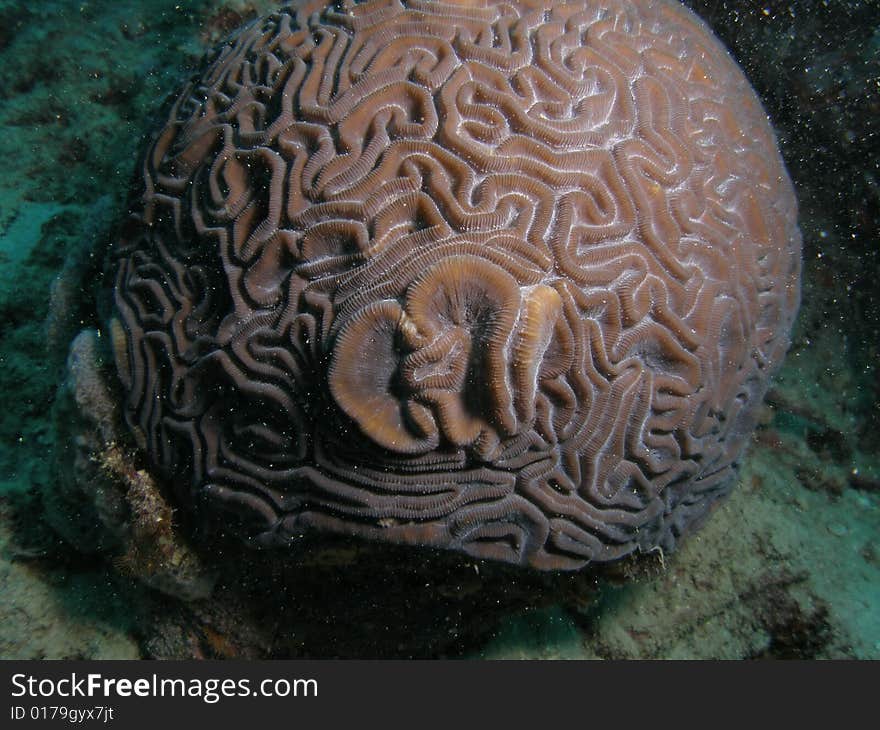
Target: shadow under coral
<point x="338" y="597"/>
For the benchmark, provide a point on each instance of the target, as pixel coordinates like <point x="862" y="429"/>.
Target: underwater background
<point x="787" y="567"/>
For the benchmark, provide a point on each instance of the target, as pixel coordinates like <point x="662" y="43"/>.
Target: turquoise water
<point x="789" y="566"/>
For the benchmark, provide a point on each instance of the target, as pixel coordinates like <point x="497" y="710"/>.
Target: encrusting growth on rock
<point x="154" y="550"/>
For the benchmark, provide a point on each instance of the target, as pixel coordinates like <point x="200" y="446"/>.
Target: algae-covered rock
<point x="85" y="505"/>
<point x="100" y="501"/>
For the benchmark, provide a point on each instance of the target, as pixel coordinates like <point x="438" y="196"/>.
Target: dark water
<point x="788" y="567"/>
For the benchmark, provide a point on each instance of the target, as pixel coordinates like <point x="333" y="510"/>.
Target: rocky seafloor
<point x="787" y="567"/>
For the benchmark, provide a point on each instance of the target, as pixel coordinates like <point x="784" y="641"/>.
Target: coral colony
<point x="507" y="279"/>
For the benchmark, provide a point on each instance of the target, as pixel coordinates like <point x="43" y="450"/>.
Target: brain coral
<point x="506" y="278"/>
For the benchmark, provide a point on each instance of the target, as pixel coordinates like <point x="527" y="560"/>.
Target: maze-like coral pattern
<point x="508" y="278"/>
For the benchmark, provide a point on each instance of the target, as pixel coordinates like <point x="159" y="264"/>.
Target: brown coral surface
<point x="504" y="278"/>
